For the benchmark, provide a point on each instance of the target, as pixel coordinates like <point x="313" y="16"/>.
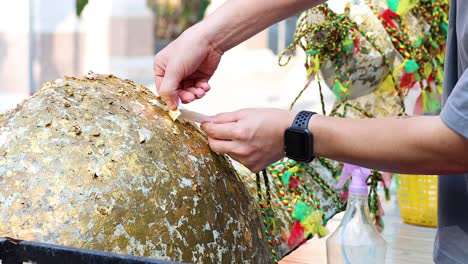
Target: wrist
<point x="211" y="32"/>
<point x="228" y="26"/>
<point x="298" y="139"/>
<point x="288" y="120"/>
<point x="285" y="123"/>
<point x="316" y="127"/>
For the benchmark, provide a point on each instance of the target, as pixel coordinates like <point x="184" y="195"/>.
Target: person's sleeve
<point x="455" y="111"/>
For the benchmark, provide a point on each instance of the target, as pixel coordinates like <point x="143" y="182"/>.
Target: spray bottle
<point x="356" y="240"/>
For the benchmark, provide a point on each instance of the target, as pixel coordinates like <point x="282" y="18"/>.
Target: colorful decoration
<point x="412" y="59"/>
<point x="421" y="55"/>
<point x="267" y="213"/>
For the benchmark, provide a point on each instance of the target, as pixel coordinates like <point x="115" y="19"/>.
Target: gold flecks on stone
<point x="113" y="172"/>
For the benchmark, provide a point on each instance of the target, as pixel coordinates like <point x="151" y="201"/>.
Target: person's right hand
<point x="183" y="69"/>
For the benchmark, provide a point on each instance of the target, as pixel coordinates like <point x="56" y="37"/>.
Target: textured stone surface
<point x="97" y="163"/>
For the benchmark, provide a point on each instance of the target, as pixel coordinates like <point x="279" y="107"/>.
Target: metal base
<point x="16" y="252"/>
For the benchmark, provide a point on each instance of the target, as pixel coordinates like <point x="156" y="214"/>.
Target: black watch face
<point x="297" y="144"/>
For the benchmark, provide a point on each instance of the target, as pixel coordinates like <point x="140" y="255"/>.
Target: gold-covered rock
<point x="97" y="163"/>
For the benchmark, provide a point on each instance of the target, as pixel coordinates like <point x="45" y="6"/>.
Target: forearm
<point x="419" y="145"/>
<point x="238" y="20"/>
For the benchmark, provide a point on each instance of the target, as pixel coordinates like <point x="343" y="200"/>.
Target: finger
<point x="229" y="148"/>
<point x="189" y="86"/>
<point x="158" y="81"/>
<point x="158" y="68"/>
<point x="220" y="131"/>
<point x="169" y="84"/>
<point x="186" y="97"/>
<point x="198" y="92"/>
<point x="227" y="117"/>
<point x="187" y="83"/>
<point x="253" y="163"/>
<point x="221" y="146"/>
<point x="253" y="168"/>
<point x="203" y="84"/>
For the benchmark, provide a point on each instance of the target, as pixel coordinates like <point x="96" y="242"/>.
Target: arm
<point x="183" y="69"/>
<point x="419" y="145"/>
<point x="238" y="20"/>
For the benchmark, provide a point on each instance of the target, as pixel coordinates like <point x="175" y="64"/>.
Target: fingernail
<point x="172" y="106"/>
<point x="175" y="104"/>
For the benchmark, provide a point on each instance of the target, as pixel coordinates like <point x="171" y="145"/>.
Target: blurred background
<point x="43" y="40"/>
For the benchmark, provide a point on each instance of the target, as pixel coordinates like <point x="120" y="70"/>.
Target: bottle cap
<point x="359" y="176"/>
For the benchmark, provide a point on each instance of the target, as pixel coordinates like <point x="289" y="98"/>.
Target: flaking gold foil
<point x="95" y="163"/>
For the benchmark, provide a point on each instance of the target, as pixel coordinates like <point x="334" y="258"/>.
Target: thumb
<point x="169" y="85"/>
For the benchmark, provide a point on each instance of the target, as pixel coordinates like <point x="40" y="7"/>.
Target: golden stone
<point x="113" y="172"/>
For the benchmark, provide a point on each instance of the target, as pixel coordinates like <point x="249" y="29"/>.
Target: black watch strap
<point x="302" y="119"/>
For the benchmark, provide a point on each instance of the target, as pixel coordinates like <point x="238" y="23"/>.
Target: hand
<point x="254" y="137"/>
<point x="183" y="69"/>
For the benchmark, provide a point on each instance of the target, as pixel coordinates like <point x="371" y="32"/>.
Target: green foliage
<point x="203" y="6"/>
<point x="80" y="5"/>
<point x="173" y="17"/>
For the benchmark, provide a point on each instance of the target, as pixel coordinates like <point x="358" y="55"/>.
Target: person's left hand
<point x="254" y="137"/>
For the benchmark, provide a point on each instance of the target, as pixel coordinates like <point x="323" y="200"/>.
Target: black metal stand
<point x="16" y="252"/>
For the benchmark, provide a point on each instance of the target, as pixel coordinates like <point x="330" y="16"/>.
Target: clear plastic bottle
<point x="356" y="240"/>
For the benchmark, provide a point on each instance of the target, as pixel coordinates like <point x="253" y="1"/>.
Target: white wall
<point x="113" y="36"/>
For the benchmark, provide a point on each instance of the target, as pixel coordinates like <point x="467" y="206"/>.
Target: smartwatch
<point x="298" y="140"/>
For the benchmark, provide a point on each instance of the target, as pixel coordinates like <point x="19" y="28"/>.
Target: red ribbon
<point x="297" y="235"/>
<point x="388" y="15"/>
